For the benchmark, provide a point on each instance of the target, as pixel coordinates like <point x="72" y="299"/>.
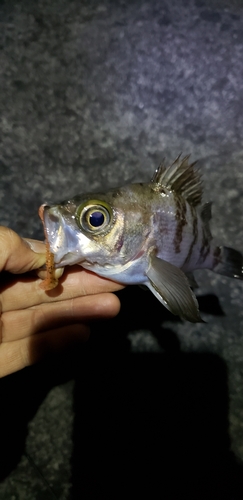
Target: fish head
<point x="87" y="228"/>
<point x="102" y="230"/>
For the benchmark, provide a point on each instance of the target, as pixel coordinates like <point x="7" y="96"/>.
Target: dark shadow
<point x="210" y="304"/>
<point x="144" y="423"/>
<point x="141" y="310"/>
<point x="153" y="425"/>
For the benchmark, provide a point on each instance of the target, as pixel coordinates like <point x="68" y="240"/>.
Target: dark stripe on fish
<point x="194" y="232"/>
<point x="181" y="221"/>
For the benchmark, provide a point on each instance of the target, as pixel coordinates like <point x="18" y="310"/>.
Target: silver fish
<point x="153" y="234"/>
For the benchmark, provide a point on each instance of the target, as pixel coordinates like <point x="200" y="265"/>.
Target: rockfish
<point x="153" y="234"/>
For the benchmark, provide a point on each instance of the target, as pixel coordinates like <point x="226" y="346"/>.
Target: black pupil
<point x="96" y="219"/>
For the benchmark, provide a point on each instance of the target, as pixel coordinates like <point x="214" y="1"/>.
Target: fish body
<point x="145" y="233"/>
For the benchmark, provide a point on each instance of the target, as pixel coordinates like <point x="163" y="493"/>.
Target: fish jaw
<point x="64" y="240"/>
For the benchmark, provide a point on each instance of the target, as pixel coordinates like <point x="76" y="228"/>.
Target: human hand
<point x="34" y="322"/>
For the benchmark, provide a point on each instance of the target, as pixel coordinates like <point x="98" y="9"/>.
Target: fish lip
<point x="62" y="239"/>
<point x="51" y="223"/>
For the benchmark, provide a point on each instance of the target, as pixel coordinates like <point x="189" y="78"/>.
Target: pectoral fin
<point x="170" y="285"/>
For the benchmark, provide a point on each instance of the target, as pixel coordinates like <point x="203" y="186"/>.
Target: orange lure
<point x="50" y="281"/>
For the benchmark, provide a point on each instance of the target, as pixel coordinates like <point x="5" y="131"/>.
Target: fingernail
<point x="58" y="272"/>
<point x="35" y="246"/>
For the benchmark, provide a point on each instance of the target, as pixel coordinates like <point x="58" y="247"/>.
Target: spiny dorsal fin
<point x="181" y="177"/>
<point x="158" y="172"/>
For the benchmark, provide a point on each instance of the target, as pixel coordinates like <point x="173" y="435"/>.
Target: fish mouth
<point x="62" y="238"/>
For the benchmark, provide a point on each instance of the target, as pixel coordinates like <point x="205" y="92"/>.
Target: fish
<point x="154" y="234"/>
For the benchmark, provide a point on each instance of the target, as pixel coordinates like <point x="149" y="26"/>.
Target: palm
<point x="33" y="321"/>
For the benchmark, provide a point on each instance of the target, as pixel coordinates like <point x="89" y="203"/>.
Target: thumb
<point x="16" y="255"/>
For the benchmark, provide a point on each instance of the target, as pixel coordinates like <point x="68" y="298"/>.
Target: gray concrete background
<point x="94" y="94"/>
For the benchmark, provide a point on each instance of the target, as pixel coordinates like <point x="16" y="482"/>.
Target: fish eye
<point x="94" y="216"/>
<point x="96" y="219"/>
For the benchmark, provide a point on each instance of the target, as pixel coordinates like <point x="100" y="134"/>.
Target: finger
<point x="75" y="282"/>
<point x="16" y="255"/>
<point x="40" y="247"/>
<point x="36" y="245"/>
<point x="57" y="273"/>
<point x="19" y="324"/>
<point x="24" y="352"/>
